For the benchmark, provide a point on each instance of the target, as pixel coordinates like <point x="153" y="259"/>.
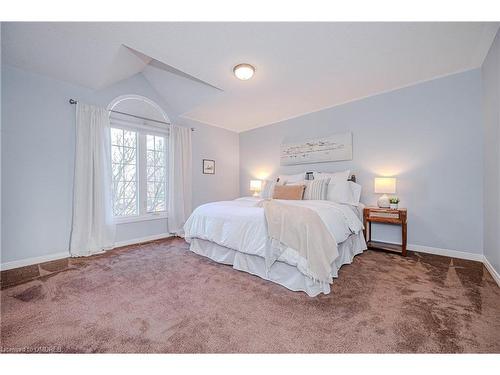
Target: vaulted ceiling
<point x="300" y="67"/>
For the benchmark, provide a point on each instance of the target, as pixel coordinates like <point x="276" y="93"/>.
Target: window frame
<point x="143" y="130"/>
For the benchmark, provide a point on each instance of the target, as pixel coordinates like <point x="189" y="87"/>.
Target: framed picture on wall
<point x="208" y="166"/>
<point x="335" y="147"/>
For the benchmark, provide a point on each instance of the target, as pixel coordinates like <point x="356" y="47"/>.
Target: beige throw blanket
<point x="303" y="230"/>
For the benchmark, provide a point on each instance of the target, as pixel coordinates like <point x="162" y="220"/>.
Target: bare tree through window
<point x="156" y="173"/>
<point x="124" y="168"/>
<point x="139" y="165"/>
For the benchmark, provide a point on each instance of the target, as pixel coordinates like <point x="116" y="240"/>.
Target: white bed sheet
<point x="241" y="224"/>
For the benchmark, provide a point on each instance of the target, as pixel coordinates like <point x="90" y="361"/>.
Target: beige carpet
<point x="158" y="297"/>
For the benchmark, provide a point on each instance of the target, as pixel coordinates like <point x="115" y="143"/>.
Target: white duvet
<point x="241" y="225"/>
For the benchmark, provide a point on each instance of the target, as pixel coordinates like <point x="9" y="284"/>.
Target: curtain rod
<point x="73" y="101"/>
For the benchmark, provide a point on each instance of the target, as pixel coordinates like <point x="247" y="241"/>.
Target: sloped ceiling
<point x="181" y="93"/>
<point x="300" y="67"/>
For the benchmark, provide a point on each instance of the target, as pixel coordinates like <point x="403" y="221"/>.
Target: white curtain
<point x="93" y="230"/>
<point x="180" y="176"/>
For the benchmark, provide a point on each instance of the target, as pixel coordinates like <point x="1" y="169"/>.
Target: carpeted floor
<point x="158" y="297"/>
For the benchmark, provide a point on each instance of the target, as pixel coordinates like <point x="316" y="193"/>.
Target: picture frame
<point x="208" y="166"/>
<point x="335" y="147"/>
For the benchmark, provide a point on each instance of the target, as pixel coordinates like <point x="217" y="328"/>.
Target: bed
<point x="235" y="233"/>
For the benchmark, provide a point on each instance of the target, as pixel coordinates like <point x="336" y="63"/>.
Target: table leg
<point x="403" y="237"/>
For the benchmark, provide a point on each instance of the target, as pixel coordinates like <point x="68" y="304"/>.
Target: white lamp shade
<point x="385" y="185"/>
<point x="255" y="185"/>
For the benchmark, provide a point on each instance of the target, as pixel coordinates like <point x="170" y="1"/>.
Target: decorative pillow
<point x="289" y="178"/>
<point x="289" y="192"/>
<point x="268" y="189"/>
<point x="315" y="189"/>
<point x="334" y="177"/>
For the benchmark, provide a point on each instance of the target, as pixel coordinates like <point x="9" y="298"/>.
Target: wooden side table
<point x="386" y="216"/>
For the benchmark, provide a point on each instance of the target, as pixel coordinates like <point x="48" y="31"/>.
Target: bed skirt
<point x="281" y="272"/>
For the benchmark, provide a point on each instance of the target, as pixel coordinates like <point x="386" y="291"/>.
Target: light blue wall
<point x="222" y="146"/>
<point x="428" y="135"/>
<point x="38" y="161"/>
<point x="491" y="108"/>
<point x="0" y="138"/>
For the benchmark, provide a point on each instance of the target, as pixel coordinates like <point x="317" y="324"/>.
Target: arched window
<point x="139" y="149"/>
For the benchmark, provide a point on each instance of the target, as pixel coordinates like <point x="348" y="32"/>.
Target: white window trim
<point x="142" y="129"/>
<point x="137" y="218"/>
<point x="139" y="126"/>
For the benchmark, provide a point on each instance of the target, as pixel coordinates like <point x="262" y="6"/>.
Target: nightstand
<point x="386" y="216"/>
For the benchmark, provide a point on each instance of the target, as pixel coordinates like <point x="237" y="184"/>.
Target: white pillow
<point x="334" y="177"/>
<point x="290" y="178"/>
<point x="268" y="189"/>
<point x="356" y="192"/>
<point x="301" y="182"/>
<point x="339" y="192"/>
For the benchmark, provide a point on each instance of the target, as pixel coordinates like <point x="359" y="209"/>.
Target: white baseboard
<point x="443" y="252"/>
<point x="446" y="252"/>
<point x="34" y="260"/>
<point x="65" y="254"/>
<point x="492" y="271"/>
<point x="419" y="248"/>
<point x="135" y="241"/>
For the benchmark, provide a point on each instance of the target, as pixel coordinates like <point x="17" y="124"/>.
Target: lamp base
<point x="383" y="201"/>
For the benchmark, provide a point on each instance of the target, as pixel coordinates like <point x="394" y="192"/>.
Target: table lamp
<point x="255" y="187"/>
<point x="384" y="186"/>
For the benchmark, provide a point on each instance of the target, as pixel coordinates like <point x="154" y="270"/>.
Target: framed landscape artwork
<point x="335" y="147"/>
<point x="208" y="166"/>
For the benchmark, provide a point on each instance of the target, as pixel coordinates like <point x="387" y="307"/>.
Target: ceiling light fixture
<point x="244" y="71"/>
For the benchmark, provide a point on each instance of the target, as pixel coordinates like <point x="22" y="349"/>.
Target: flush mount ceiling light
<point x="244" y="71"/>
